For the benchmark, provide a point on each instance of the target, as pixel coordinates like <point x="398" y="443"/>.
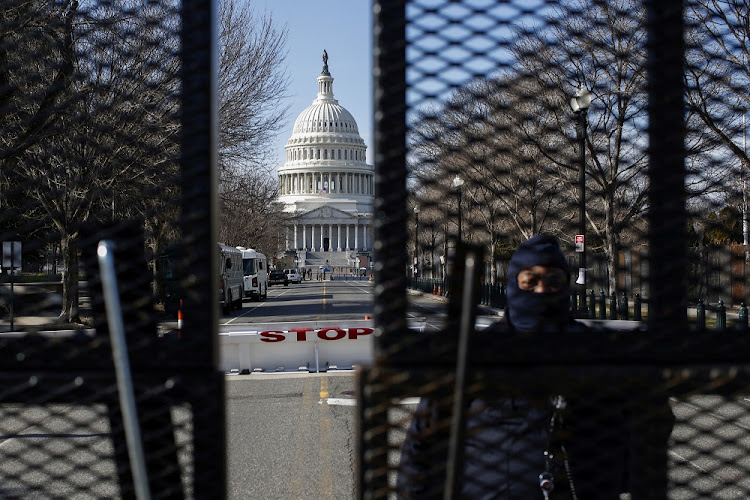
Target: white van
<point x="255" y="271"/>
<point x="293" y="275"/>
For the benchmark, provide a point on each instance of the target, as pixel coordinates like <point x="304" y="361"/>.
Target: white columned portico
<point x="338" y="236"/>
<point x="356" y="234"/>
<point x="296" y="246"/>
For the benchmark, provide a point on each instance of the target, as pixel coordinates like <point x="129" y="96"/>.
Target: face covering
<point x="537" y="312"/>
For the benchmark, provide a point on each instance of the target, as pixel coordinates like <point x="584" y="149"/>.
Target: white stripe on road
<point x="353" y="402"/>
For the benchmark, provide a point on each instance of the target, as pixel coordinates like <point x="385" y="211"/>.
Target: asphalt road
<point x="291" y="436"/>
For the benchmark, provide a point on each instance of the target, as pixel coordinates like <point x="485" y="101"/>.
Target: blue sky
<point x="343" y="29"/>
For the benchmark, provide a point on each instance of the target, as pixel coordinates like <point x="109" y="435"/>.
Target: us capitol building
<point x="326" y="186"/>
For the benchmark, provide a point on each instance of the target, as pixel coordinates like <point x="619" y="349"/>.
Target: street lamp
<point x="457" y="183"/>
<point x="579" y="103"/>
<point x="416" y="239"/>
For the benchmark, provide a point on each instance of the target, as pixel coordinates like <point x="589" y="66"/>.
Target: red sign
<point x="579" y="243"/>
<point x="322" y="334"/>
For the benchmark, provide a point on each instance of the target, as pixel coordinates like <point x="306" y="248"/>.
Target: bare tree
<point x="717" y="76"/>
<point x="252" y="84"/>
<point x="601" y="45"/>
<point x="478" y="138"/>
<point x="112" y="140"/>
<point x="250" y="212"/>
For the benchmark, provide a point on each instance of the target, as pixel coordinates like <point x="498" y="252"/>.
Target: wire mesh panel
<point x="106" y="119"/>
<point x="618" y="129"/>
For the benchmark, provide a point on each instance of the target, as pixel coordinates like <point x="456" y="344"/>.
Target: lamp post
<point x="416" y="239"/>
<point x="457" y="183"/>
<point x="579" y="103"/>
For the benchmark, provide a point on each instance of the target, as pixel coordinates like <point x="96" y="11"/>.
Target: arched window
<point x="325" y="154"/>
<point x="339" y="154"/>
<point x="317" y="156"/>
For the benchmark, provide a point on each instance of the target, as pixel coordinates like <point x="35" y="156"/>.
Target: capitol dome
<point x="325" y="183"/>
<point x="325" y="115"/>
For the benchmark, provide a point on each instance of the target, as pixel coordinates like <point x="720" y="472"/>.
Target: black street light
<point x="416" y="240"/>
<point x="580" y="104"/>
<point x="457" y="183"/>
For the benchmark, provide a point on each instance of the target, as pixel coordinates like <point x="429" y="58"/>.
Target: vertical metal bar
<point x="199" y="140"/>
<point x="198" y="145"/>
<point x="105" y="251"/>
<point x="317" y="360"/>
<point x="12" y="280"/>
<point x="454" y="467"/>
<point x="666" y="128"/>
<point x="389" y="69"/>
<point x="581" y="130"/>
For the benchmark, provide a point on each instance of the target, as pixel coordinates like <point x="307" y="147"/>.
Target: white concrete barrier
<point x="296" y="349"/>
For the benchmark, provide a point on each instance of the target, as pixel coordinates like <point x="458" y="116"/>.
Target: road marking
<point x="325" y="486"/>
<point x="323" y="387"/>
<point x="353" y="402"/>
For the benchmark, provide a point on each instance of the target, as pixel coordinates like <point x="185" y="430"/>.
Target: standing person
<point x="573" y="447"/>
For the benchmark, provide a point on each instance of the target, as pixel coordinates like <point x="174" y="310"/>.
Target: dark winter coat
<point x="597" y="448"/>
<point x="609" y="440"/>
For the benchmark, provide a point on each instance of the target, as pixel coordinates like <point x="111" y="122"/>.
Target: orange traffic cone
<point x="434" y="289"/>
<point x="440" y="290"/>
<point x="179" y="320"/>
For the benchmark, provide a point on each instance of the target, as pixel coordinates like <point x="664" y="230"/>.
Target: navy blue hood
<point x="537" y="312"/>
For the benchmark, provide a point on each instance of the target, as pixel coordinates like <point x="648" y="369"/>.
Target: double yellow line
<point x="306" y="439"/>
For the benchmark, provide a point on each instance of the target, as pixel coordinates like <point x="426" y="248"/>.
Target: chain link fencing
<point x="619" y="128"/>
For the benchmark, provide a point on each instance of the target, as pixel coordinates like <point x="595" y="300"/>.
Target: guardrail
<point x="296" y="349"/>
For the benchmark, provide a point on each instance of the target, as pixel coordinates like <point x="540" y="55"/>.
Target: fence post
<point x="701" y="315"/>
<point x="613" y="306"/>
<point x="624" y="312"/>
<point x="637" y="307"/>
<point x="721" y="316"/>
<point x="602" y="305"/>
<point x="592" y="307"/>
<point x="743" y="317"/>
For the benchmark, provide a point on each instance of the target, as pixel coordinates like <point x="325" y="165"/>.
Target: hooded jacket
<point x="506" y="438"/>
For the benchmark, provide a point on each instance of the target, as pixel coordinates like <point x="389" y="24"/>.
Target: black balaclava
<point x="537" y="312"/>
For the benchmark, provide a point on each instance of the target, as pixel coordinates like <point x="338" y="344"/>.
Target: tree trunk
<point x="69" y="252"/>
<point x="611" y="246"/>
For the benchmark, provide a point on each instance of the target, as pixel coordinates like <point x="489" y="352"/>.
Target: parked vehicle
<point x="170" y="280"/>
<point x="293" y="275"/>
<point x="277" y="277"/>
<point x="255" y="271"/>
<point x="230" y="278"/>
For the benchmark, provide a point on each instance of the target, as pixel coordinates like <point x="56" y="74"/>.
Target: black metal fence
<point x="107" y="122"/>
<point x="476" y="135"/>
<point x="106" y="130"/>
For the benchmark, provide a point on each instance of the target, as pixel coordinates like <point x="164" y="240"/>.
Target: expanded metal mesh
<point x="105" y="134"/>
<point x="480" y="144"/>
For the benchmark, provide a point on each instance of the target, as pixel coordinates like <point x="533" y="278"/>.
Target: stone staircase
<point x="318" y="259"/>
